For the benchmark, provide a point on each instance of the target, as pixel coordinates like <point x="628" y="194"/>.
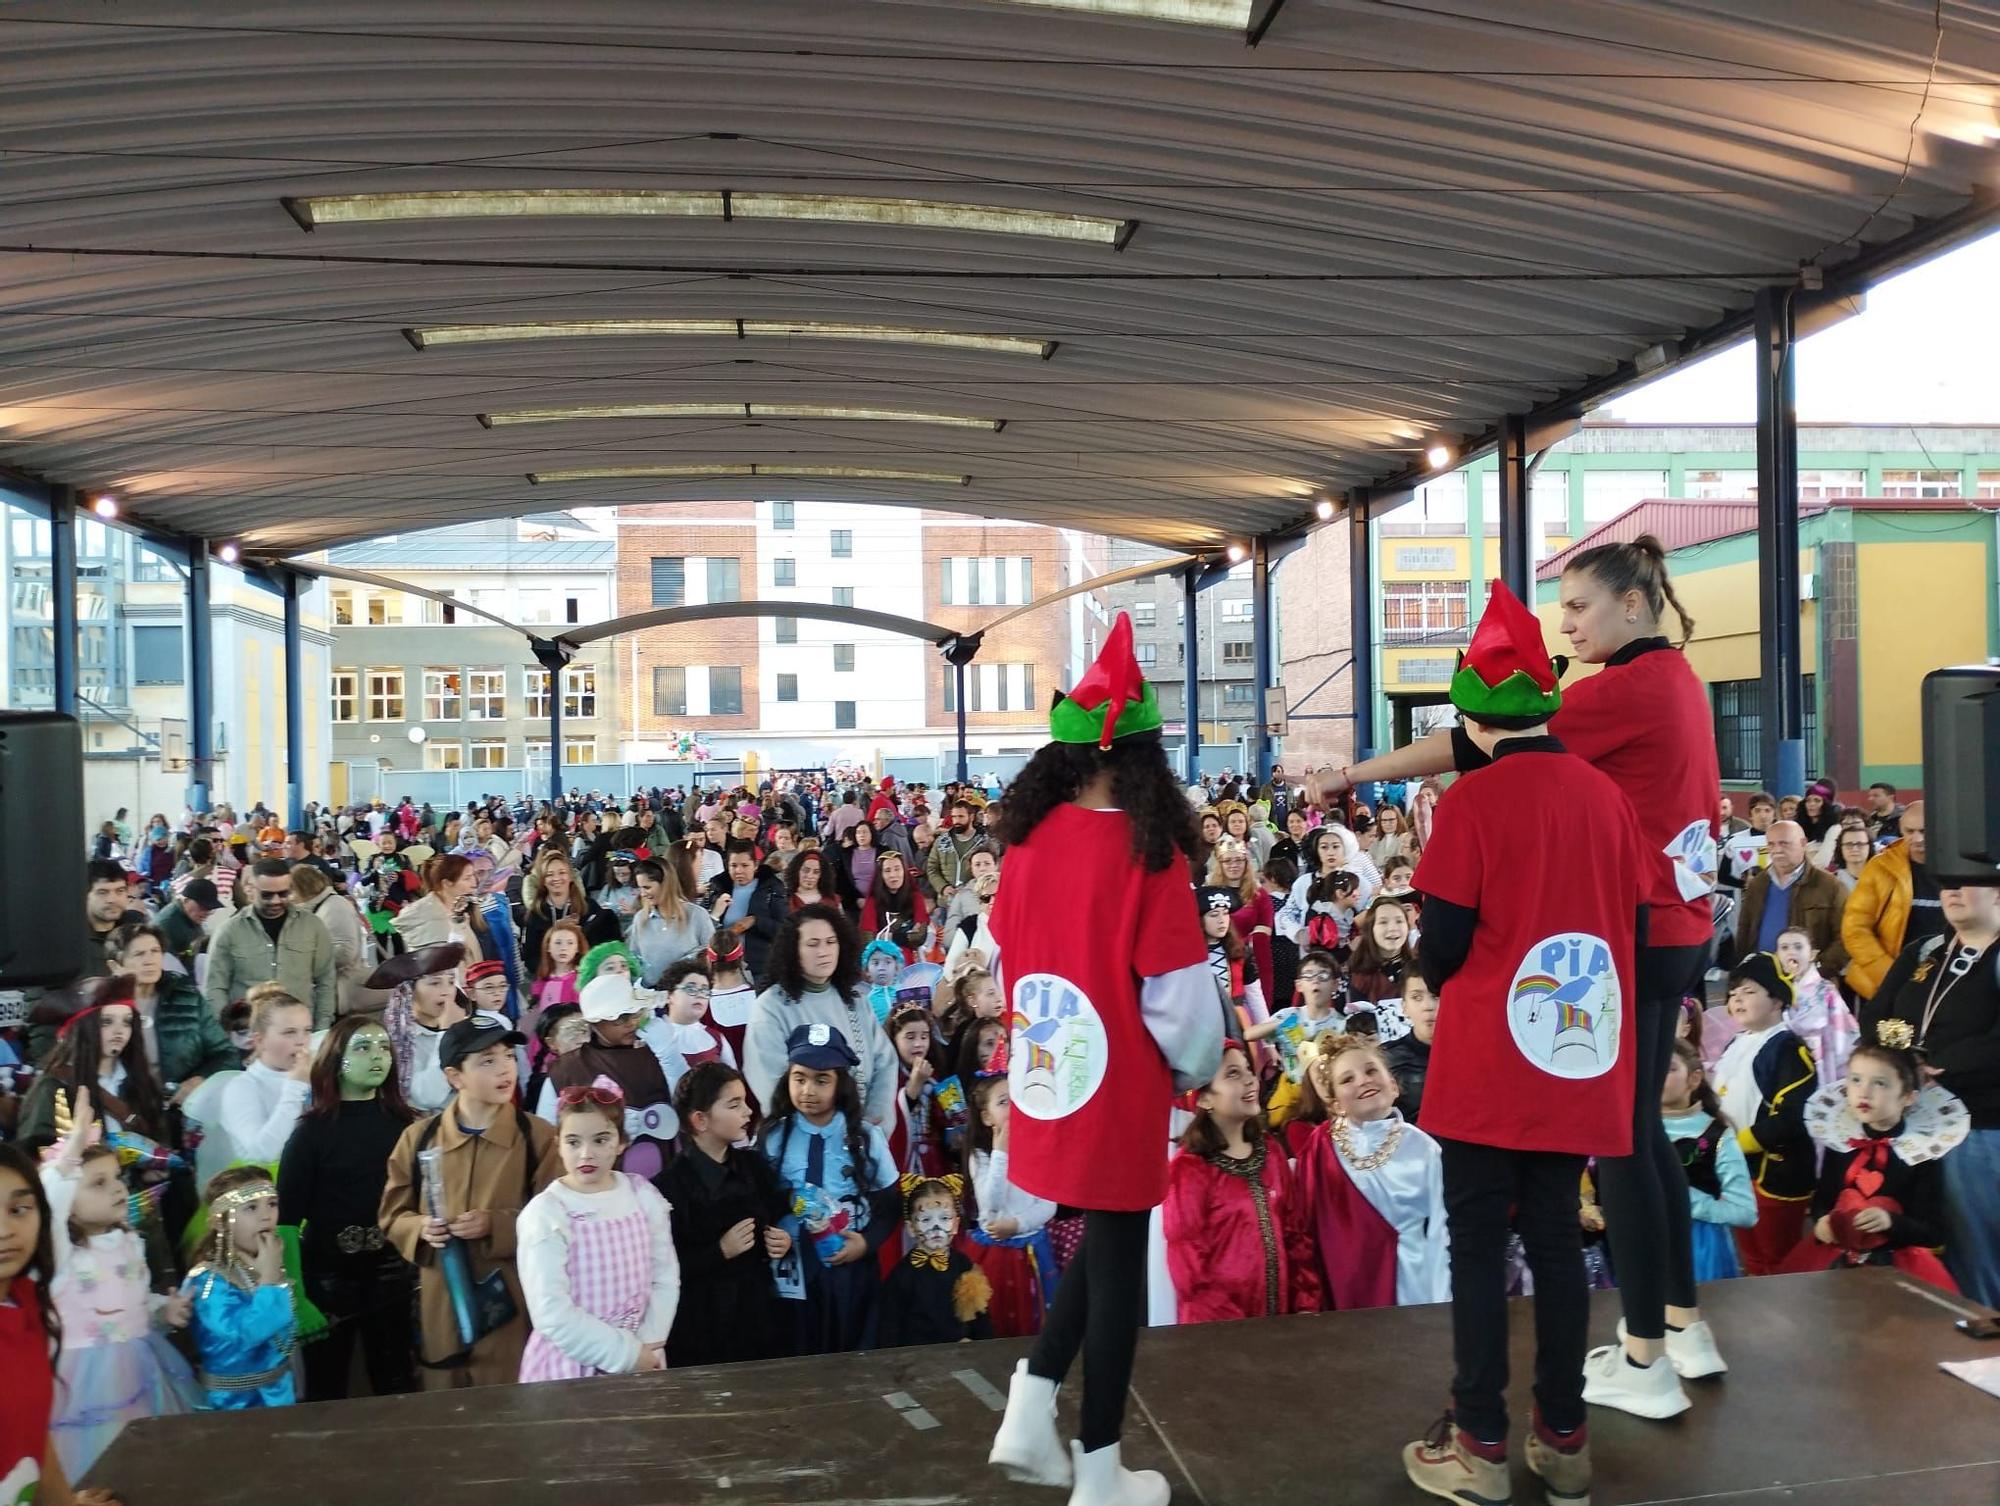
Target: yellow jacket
<point x="1871" y="927"/>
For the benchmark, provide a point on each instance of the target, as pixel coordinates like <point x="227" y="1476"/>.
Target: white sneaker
<point x="1102" y="1480"/>
<point x="1028" y="1447"/>
<point x="1692" y="1351"/>
<point x="1609" y="1380"/>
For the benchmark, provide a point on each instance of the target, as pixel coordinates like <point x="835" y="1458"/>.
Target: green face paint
<point x="366" y="1063"/>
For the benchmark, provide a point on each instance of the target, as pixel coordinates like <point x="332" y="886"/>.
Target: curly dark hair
<point x="786" y="974"/>
<point x="1142" y="786"/>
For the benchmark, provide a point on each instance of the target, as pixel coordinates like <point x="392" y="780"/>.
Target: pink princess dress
<point x="116" y="1365"/>
<point x="600" y="1276"/>
<point x="1821" y="1018"/>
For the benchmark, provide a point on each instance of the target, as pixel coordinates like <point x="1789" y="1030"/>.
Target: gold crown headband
<point x="242" y="1197"/>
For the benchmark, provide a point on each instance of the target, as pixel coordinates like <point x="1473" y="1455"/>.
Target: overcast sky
<point x="1926" y="350"/>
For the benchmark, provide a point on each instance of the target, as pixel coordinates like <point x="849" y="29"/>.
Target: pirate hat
<point x="1112" y="700"/>
<point x="1505" y="672"/>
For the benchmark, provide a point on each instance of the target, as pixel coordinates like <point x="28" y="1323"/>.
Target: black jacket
<point x="729" y="1308"/>
<point x="1963" y="1041"/>
<point x="770" y="903"/>
<point x="599" y="924"/>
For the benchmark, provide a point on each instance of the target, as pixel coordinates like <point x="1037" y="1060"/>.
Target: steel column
<point x="62" y="600"/>
<point x="1260" y="655"/>
<point x="1517" y="551"/>
<point x="554" y="656"/>
<point x="1361" y="622"/>
<point x="295" y="706"/>
<point x="1783" y="752"/>
<point x="201" y="679"/>
<point x="1191" y="671"/>
<point x="958" y="670"/>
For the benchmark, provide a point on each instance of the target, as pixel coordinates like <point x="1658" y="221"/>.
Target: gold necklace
<point x="1343" y="1140"/>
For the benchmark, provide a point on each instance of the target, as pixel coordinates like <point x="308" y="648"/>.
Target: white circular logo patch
<point x="1564" y="1008"/>
<point x="1057" y="1053"/>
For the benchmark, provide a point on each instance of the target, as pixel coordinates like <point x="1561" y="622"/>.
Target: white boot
<point x="1101" y="1480"/>
<point x="1028" y="1447"/>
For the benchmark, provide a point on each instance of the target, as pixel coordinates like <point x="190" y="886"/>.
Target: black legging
<point x="1098" y="1305"/>
<point x="1647" y="1216"/>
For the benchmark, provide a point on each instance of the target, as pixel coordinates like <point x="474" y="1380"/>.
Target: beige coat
<point x="351" y="966"/>
<point x="480" y="1171"/>
<point x="426" y="922"/>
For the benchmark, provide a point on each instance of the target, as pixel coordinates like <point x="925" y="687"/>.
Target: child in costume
<point x="842" y="1183"/>
<point x="563" y="946"/>
<point x="1239" y="1244"/>
<point x="1381" y="958"/>
<point x="681" y="1035"/>
<point x="1298" y="1025"/>
<point x="1372" y="1185"/>
<point x="241" y="1321"/>
<point x="330" y="1183"/>
<point x="1718" y="1178"/>
<point x="970" y="998"/>
<point x="1763" y="1081"/>
<point x="881" y="966"/>
<point x="116" y="1364"/>
<point x="1228" y="959"/>
<point x="1103" y="1036"/>
<point x="728" y="1221"/>
<point x="1819" y="1015"/>
<point x="555" y="1031"/>
<point x="1409" y="1056"/>
<point x="935" y="1294"/>
<point x="730" y="994"/>
<point x="457" y="1183"/>
<point x="917" y="1142"/>
<point x="618" y="1014"/>
<point x="1881" y="1198"/>
<point x="1010" y="1241"/>
<point x="596" y="1257"/>
<point x="423" y="1003"/>
<point x="1532" y="1066"/>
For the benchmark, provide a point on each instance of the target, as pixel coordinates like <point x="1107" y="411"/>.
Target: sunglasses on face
<point x="603" y="1098"/>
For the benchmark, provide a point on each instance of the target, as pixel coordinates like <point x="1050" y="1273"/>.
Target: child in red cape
<point x="1098" y="835"/>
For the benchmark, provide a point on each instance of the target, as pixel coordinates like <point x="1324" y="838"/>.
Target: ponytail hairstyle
<point x="1704" y="1095"/>
<point x="1638" y="566"/>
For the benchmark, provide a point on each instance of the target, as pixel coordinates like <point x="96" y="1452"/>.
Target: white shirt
<point x="1408" y="1191"/>
<point x="1000" y="1198"/>
<point x="428" y="1089"/>
<point x="1735" y="1077"/>
<point x="542" y="1234"/>
<point x="259" y="1109"/>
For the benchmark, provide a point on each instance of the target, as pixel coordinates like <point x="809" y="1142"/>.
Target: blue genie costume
<point x="243" y="1331"/>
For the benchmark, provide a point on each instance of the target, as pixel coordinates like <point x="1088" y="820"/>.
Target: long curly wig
<point x="1142" y="786"/>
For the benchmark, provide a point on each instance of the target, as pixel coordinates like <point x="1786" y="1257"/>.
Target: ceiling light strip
<point x="739" y="471"/>
<point x="565" y="329"/>
<point x="1231" y="14"/>
<point x="316" y="210"/>
<point x="735" y="410"/>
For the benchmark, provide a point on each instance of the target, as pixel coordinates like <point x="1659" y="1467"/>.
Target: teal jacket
<point x="190" y="1035"/>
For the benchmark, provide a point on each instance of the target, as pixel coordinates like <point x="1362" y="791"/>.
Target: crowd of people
<point x="406" y="1098"/>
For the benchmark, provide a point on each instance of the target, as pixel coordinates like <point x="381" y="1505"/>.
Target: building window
<point x="489" y="753"/>
<point x="148" y="566"/>
<point x="725" y="690"/>
<point x="1146" y="653"/>
<point x="788" y="687"/>
<point x="443" y="701"/>
<point x="536" y="683"/>
<point x="1239" y="693"/>
<point x="343" y="608"/>
<point x="572" y="609"/>
<point x="1027" y="687"/>
<point x="843" y="716"/>
<point x="1417" y="609"/>
<point x="951" y="690"/>
<point x="1739" y="728"/>
<point x="156" y="656"/>
<point x="580" y="694"/>
<point x="784" y="572"/>
<point x="485" y="696"/>
<point x="843" y="543"/>
<point x="345" y="692"/>
<point x="437" y="613"/>
<point x="1145" y="613"/>
<point x="1236" y="653"/>
<point x="944" y="581"/>
<point x="782" y="516"/>
<point x="843" y="657"/>
<point x="1921" y="483"/>
<point x="535" y="753"/>
<point x="843" y="596"/>
<point x="1989" y="485"/>
<point x="385" y="695"/>
<point x="669" y="582"/>
<point x="579" y="750"/>
<point x="444" y="755"/>
<point x="536" y="606"/>
<point x="724" y="583"/>
<point x="1027" y="579"/>
<point x="1722" y="485"/>
<point x="378" y="611"/>
<point x="787" y="629"/>
<point x="670" y="690"/>
<point x="1818" y="486"/>
<point x="1238" y="611"/>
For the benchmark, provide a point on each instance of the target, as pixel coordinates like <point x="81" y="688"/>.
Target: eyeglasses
<point x="603" y="1098"/>
<point x="694" y="990"/>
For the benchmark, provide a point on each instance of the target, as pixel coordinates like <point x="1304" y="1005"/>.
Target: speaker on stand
<point x="42" y="849"/>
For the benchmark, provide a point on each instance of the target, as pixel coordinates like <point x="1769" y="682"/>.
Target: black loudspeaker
<point x="1962" y="774"/>
<point x="42" y="848"/>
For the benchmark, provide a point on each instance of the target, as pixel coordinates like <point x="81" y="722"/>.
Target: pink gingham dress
<point x="610" y="1268"/>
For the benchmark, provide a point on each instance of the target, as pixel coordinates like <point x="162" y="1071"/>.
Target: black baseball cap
<point x="202" y="893"/>
<point x="470" y="1037"/>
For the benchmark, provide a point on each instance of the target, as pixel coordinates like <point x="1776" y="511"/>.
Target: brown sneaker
<point x="1452" y="1464"/>
<point x="1562" y="1464"/>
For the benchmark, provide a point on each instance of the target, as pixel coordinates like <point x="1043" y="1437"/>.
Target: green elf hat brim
<point x="1072" y="723"/>
<point x="1516" y="696"/>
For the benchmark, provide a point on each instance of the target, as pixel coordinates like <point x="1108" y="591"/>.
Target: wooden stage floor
<point x="1834" y="1397"/>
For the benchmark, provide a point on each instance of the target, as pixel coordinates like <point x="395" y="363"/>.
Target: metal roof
<point x="1386" y="223"/>
<point x="1677" y="522"/>
<point x="481" y="547"/>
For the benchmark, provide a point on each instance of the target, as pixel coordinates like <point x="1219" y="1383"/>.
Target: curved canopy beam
<point x="888" y="622"/>
<point x="1144" y="571"/>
